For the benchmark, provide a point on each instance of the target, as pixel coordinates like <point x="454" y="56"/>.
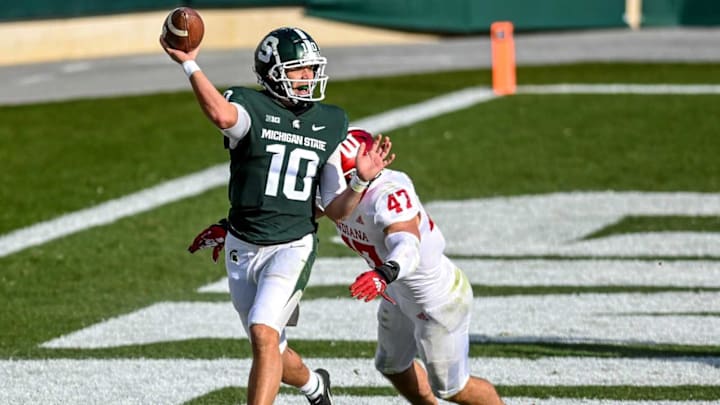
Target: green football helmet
<point x="284" y="49"/>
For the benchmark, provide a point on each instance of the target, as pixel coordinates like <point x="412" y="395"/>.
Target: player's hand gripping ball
<point x="183" y="29"/>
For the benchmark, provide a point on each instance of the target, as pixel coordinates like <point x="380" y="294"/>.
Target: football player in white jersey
<point x="426" y="310"/>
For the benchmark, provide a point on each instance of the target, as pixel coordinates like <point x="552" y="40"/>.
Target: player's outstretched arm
<point x="216" y="108"/>
<point x="403" y="242"/>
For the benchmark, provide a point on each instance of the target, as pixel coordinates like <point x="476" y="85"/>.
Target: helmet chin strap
<point x="295" y="105"/>
<point x="277" y="92"/>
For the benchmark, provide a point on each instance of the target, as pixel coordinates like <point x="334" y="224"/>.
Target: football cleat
<point x="326" y="397"/>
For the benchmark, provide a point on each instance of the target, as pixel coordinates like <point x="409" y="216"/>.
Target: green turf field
<point x="58" y="158"/>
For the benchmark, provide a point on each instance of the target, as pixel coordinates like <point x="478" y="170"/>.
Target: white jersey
<point x="392" y="198"/>
<point x="431" y="317"/>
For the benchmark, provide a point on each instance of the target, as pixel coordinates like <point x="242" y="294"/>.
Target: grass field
<point x="634" y="180"/>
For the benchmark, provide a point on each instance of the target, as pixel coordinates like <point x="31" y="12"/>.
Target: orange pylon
<point x="503" y="57"/>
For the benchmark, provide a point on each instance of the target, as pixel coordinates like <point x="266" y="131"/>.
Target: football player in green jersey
<point x="283" y="147"/>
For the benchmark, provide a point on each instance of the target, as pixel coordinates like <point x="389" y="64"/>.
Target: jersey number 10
<point x="290" y="177"/>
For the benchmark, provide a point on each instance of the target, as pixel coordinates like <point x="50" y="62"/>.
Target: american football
<point x="183" y="29"/>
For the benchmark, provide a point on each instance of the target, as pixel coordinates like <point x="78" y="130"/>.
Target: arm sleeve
<point x="399" y="203"/>
<point x="404" y="249"/>
<point x="332" y="182"/>
<point x="238" y="131"/>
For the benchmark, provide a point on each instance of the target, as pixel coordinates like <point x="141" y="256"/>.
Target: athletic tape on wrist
<point x="190" y="67"/>
<point x="357" y="184"/>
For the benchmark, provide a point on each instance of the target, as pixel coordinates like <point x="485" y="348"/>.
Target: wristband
<point x="190" y="67"/>
<point x="357" y="184"/>
<point x="388" y="270"/>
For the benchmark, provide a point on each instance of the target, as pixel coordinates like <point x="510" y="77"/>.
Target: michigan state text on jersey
<point x="274" y="168"/>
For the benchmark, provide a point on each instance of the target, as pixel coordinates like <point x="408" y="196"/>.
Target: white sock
<point x="314" y="387"/>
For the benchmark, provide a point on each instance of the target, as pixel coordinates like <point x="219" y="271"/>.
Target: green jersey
<point x="276" y="167"/>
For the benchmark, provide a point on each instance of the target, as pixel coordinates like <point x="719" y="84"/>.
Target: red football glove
<point x="211" y="237"/>
<point x="369" y="285"/>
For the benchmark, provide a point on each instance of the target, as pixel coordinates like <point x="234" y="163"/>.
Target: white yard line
<point x="621" y="318"/>
<point x="398" y="400"/>
<point x="434" y="107"/>
<point x="583" y="401"/>
<point x="113" y="210"/>
<point x="216" y="176"/>
<point x="174" y="381"/>
<point x="559" y="224"/>
<point x="641" y="89"/>
<point x="529" y="273"/>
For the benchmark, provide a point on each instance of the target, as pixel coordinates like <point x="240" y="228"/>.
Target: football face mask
<point x="287" y="49"/>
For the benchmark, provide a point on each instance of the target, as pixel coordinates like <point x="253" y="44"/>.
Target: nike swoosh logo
<point x="318" y="128"/>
